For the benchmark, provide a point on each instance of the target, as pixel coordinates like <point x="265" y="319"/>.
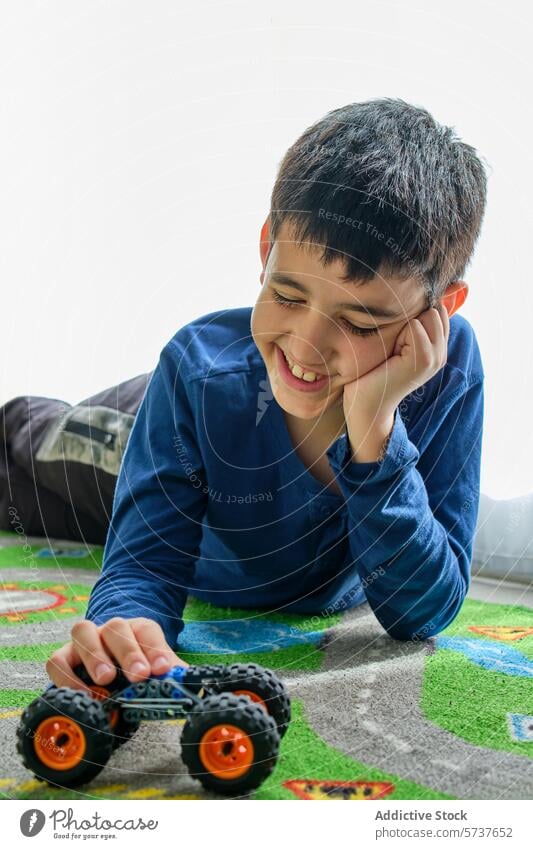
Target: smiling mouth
<point x="307" y="383"/>
<point x="303" y="370"/>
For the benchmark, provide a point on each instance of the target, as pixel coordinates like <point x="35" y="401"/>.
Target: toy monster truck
<point x="234" y="716"/>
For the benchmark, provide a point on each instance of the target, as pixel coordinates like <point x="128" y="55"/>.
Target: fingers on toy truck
<point x="235" y="716"/>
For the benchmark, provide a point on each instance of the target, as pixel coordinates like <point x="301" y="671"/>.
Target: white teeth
<point x="308" y="376"/>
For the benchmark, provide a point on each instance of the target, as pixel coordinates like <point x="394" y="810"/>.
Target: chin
<point x="306" y="407"/>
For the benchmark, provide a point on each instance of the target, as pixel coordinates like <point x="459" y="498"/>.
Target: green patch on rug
<point x="473" y="702"/>
<point x="305" y="658"/>
<point x="200" y="611"/>
<point x="17" y="698"/>
<point x="26" y="556"/>
<point x="477" y="680"/>
<point x="37" y="653"/>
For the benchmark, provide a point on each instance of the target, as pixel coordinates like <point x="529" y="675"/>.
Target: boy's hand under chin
<point x="369" y="402"/>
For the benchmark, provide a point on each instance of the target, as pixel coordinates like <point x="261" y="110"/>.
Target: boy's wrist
<point x="370" y="441"/>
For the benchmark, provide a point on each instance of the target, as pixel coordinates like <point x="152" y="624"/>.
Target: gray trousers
<point x="59" y="462"/>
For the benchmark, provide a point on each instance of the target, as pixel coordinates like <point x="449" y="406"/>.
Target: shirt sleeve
<point x="158" y="506"/>
<point x="412" y="516"/>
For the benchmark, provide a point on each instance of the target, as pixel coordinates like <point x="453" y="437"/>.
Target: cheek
<point x="363" y="355"/>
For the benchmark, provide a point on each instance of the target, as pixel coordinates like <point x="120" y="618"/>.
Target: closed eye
<point x="352" y="328"/>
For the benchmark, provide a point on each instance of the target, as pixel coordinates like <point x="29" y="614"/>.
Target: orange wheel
<point x="226" y="751"/>
<point x="101" y="693"/>
<point x="254" y="697"/>
<point x="64" y="737"/>
<point x="59" y="742"/>
<point x="261" y="685"/>
<point x="217" y="747"/>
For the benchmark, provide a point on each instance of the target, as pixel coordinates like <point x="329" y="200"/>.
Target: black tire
<point x="122" y="731"/>
<point x="252" y="720"/>
<point x="263" y="683"/>
<point x="195" y="676"/>
<point x="92" y="724"/>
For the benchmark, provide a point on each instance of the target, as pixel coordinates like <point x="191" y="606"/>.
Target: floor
<point x="501" y="592"/>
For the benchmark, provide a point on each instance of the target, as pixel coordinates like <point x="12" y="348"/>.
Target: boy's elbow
<point x="411" y="630"/>
<point x="410" y="633"/>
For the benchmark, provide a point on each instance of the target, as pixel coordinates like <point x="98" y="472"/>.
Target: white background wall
<point x="139" y="145"/>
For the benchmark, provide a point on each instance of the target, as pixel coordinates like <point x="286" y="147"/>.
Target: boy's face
<point x="316" y="332"/>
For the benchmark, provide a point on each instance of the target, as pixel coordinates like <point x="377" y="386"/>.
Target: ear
<point x="455" y="296"/>
<point x="264" y="246"/>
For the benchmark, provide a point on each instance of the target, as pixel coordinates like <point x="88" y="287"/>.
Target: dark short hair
<point x="384" y="187"/>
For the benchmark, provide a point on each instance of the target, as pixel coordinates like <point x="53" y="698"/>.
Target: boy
<point x="322" y="449"/>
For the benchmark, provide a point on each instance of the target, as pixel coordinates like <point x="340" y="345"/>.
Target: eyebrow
<point x="380" y="312"/>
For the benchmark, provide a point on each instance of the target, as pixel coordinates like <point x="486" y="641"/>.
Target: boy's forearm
<point x="129" y="593"/>
<point x="412" y="577"/>
<point x="420" y="590"/>
<point x="413" y="556"/>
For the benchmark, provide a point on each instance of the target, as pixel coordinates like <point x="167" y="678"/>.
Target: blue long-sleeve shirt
<point x="212" y="499"/>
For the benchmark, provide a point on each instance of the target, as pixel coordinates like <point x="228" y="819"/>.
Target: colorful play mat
<point x="373" y="718"/>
